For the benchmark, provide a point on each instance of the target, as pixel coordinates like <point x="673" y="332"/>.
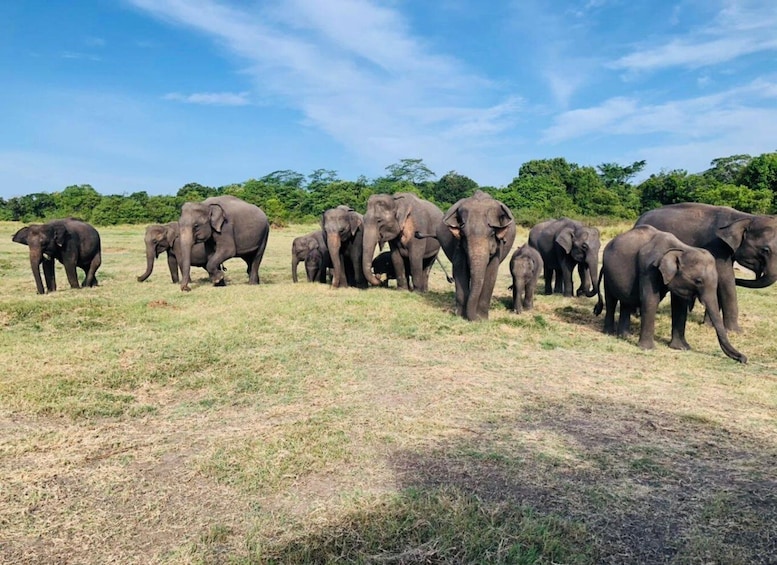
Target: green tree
<point x="411" y="170"/>
<point x="194" y="192"/>
<point x="760" y="173"/>
<point x="617" y="178"/>
<point x="667" y="187"/>
<point x="77" y="201"/>
<point x="451" y="188"/>
<point x="728" y="170"/>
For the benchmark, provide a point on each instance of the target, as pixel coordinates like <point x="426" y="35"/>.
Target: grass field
<point x="300" y="424"/>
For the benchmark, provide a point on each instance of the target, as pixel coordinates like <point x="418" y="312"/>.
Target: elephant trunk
<point x="593" y="270"/>
<point x="187" y="242"/>
<point x="478" y="257"/>
<point x="370" y="240"/>
<point x="338" y="270"/>
<point x="294" y="264"/>
<point x="767" y="278"/>
<point x="35" y="261"/>
<point x="150" y="256"/>
<point x="713" y="312"/>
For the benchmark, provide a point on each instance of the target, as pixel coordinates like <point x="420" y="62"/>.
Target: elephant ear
<point x="564" y="238"/>
<point x="734" y="234"/>
<point x="503" y="221"/>
<point x="354" y="222"/>
<point x="669" y="264"/>
<point x="60" y="235"/>
<point x="404" y="208"/>
<point x="21" y="236"/>
<point x="452" y="221"/>
<point x="217" y="217"/>
<point x="171" y="234"/>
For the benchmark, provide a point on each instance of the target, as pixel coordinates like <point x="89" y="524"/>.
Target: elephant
<point x="476" y="234"/>
<point x="72" y="242"/>
<point x="343" y="230"/>
<point x="161" y="238"/>
<point x="563" y="244"/>
<point x="640" y="266"/>
<point x="525" y="267"/>
<point x="316" y="265"/>
<point x="382" y="265"/>
<point x="301" y="247"/>
<point x="730" y="235"/>
<point x="394" y="219"/>
<point x="229" y="227"/>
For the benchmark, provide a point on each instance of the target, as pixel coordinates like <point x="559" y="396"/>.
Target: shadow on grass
<point x="583" y="482"/>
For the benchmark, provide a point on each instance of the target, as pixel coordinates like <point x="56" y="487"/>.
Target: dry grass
<point x="298" y="424"/>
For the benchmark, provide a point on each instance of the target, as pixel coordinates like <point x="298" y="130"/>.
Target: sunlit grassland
<point x="300" y="424"/>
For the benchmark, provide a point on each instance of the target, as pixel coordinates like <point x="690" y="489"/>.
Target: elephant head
<point x="158" y="239"/>
<point x="582" y="244"/>
<point x="197" y="224"/>
<point x="484" y="229"/>
<point x="690" y="273"/>
<point x="386" y="219"/>
<point x="754" y="242"/>
<point x="343" y="232"/>
<point x="45" y="242"/>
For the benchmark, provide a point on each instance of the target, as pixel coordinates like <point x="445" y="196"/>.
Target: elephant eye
<point x="766" y="250"/>
<point x="699" y="281"/>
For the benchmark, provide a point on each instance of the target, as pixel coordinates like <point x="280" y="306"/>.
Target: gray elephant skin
<point x="476" y="234"/>
<point x="525" y="268"/>
<point x="343" y="231"/>
<point x="301" y="247"/>
<point x="383" y="265"/>
<point x="71" y="242"/>
<point x="563" y="245"/>
<point x="165" y="238"/>
<point x="228" y="227"/>
<point x="315" y="266"/>
<point x="640" y="266"/>
<point x="730" y="235"/>
<point x="394" y="219"/>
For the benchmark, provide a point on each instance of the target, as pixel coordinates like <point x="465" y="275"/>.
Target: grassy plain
<point x="300" y="424"/>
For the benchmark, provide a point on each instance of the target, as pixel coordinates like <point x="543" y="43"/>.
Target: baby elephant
<point x="315" y="265"/>
<point x="640" y="267"/>
<point x="525" y="267"/>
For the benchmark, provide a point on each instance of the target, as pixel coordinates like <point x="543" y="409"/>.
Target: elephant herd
<point x="687" y="250"/>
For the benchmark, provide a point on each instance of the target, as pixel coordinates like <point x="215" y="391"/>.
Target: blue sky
<point x="130" y="95"/>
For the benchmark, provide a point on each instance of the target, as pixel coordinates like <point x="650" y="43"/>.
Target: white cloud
<point x="211" y="98"/>
<point x="352" y="68"/>
<point x="739" y="29"/>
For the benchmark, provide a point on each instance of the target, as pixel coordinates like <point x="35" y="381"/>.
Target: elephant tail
<point x="599" y="303"/>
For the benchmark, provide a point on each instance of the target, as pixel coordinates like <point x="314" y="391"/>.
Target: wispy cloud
<point x="211" y="98"/>
<point x="736" y="108"/>
<point x="353" y="68"/>
<point x="742" y="28"/>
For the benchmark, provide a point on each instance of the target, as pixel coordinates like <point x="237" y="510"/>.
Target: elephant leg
<point x="398" y="262"/>
<point x="624" y="320"/>
<point x="419" y="273"/>
<point x="518" y="291"/>
<point x="547" y="273"/>
<point x="585" y="279"/>
<point x="91" y="272"/>
<point x="528" y="294"/>
<point x="49" y="275"/>
<point x="727" y="296"/>
<point x="172" y="264"/>
<point x="255" y="261"/>
<point x="489" y="281"/>
<point x="70" y="271"/>
<point x="647" y="314"/>
<point x="610" y="304"/>
<point x="461" y="279"/>
<point x="679" y="320"/>
<point x="566" y="277"/>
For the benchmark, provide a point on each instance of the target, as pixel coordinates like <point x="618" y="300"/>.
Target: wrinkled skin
<point x="476" y="234"/>
<point x="343" y="231"/>
<point x="164" y="238"/>
<point x="302" y="246"/>
<point x="228" y="227"/>
<point x="71" y="242"/>
<point x="640" y="266"/>
<point x="730" y="235"/>
<point x="315" y="265"/>
<point x="563" y="245"/>
<point x="394" y="219"/>
<point x="525" y="267"/>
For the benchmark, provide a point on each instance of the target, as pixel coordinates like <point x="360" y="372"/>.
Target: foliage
<point x="543" y="188"/>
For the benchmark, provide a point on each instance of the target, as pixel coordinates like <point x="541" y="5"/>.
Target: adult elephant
<point x="476" y="234"/>
<point x="394" y="219"/>
<point x="228" y="227"/>
<point x="343" y="230"/>
<point x="165" y="238"/>
<point x="71" y="242"/>
<point x="563" y="245"/>
<point x="730" y="235"/>
<point x="302" y="246"/>
<point x="640" y="266"/>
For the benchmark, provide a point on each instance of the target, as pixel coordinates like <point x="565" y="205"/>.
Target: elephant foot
<point x="221" y="282"/>
<point x="679" y="344"/>
<point x="186" y="288"/>
<point x="646" y="344"/>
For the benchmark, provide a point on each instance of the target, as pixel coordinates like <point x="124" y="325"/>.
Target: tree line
<point x="543" y="188"/>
